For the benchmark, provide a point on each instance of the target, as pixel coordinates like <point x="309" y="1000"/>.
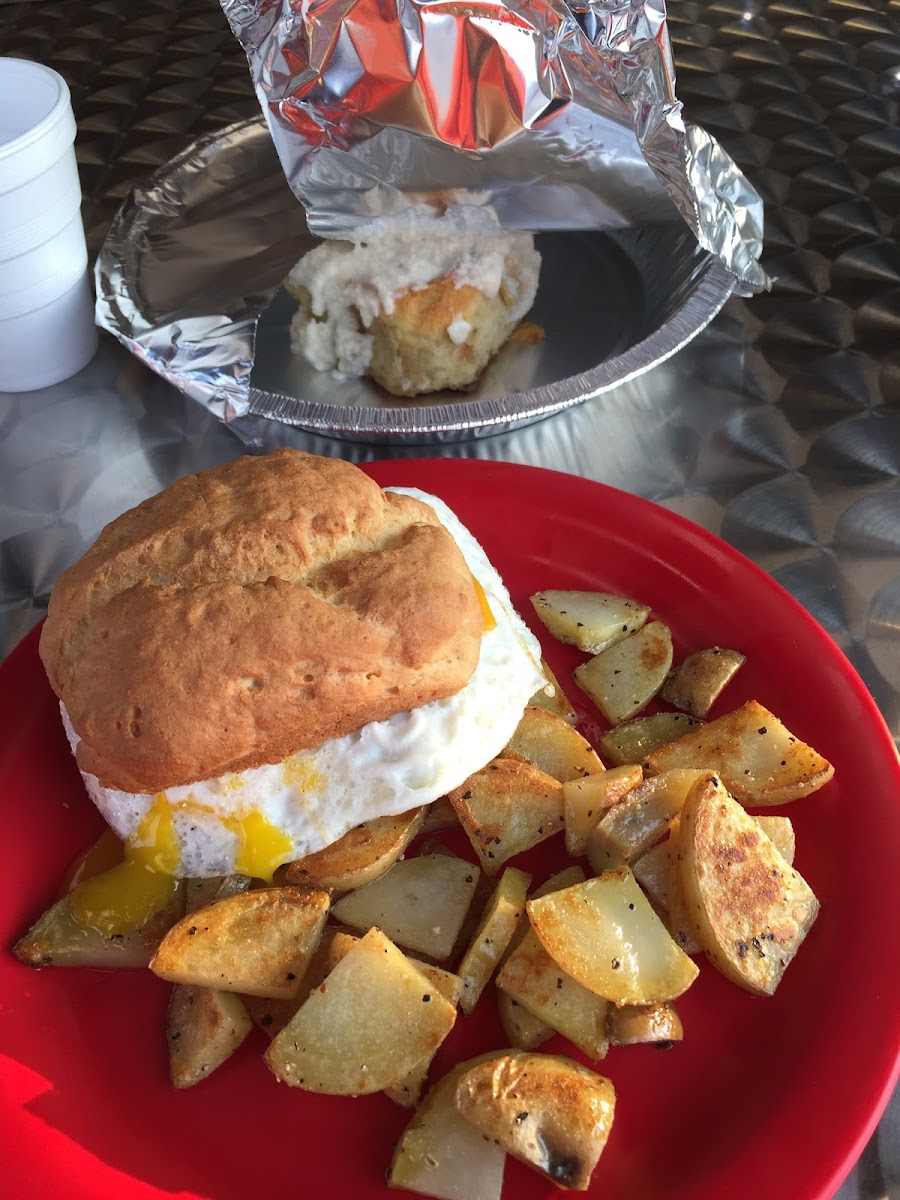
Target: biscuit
<point x="253" y="610"/>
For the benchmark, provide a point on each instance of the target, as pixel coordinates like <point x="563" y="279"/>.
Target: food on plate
<point x="552" y="697"/>
<point x="747" y="908"/>
<point x="360" y="856"/>
<point x="625" y="677"/>
<point x="589" y="620"/>
<point x="644" y="1024"/>
<point x="633" y="740"/>
<point x="420" y="903"/>
<point x="235" y="653"/>
<point x="419" y="301"/>
<point x="605" y="934"/>
<point x="550" y="743"/>
<point x="586" y="800"/>
<point x="257" y="942"/>
<point x="696" y="683"/>
<point x="442" y="1154"/>
<point x="546" y="1110"/>
<point x="495" y="931"/>
<point x="376" y="1019"/>
<point x="641" y="818"/>
<point x="507" y="807"/>
<point x="759" y="761"/>
<point x="204" y="1027"/>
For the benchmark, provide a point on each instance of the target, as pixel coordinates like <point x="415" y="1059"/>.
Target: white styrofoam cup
<point x="47" y="329"/>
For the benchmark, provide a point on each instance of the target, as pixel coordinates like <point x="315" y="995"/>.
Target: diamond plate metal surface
<point x="778" y="428"/>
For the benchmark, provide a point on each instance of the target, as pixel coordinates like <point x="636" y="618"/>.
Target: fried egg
<point x="253" y="821"/>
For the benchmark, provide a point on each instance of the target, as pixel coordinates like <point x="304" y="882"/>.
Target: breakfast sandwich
<point x="268" y="653"/>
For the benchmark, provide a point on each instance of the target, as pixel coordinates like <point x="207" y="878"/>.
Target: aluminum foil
<point x="195" y="256"/>
<point x="558" y="115"/>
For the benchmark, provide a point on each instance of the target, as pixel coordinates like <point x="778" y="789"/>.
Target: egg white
<point x="385" y="768"/>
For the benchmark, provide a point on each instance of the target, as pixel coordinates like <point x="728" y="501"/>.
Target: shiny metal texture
<point x="193" y="257"/>
<point x="561" y="116"/>
<point x="778" y="427"/>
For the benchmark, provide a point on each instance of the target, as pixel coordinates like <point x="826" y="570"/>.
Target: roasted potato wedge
<point x="537" y="982"/>
<point x="507" y="807"/>
<point x="553" y="697"/>
<point x="696" y="683"/>
<point x="439" y="815"/>
<point x="633" y="740"/>
<point x="524" y="1030"/>
<point x="585" y="802"/>
<point x="443" y="1155"/>
<point x="644" y="1024"/>
<point x="408" y="1091"/>
<point x="374" y="1022"/>
<point x="780" y="832"/>
<point x="624" y="679"/>
<point x="255" y="942"/>
<point x="643" y="816"/>
<point x="420" y="903"/>
<point x="659" y="874"/>
<point x="272" y="1015"/>
<point x="200" y="892"/>
<point x="589" y="620"/>
<point x="759" y="761"/>
<point x="553" y="746"/>
<point x="504" y="911"/>
<point x="360" y="856"/>
<point x="749" y="910"/>
<point x="204" y="1027"/>
<point x="546" y="1110"/>
<point x="605" y="935"/>
<point x="58" y="939"/>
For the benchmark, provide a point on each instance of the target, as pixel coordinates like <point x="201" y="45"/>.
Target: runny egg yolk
<point x="490" y="621"/>
<point x="128" y="894"/>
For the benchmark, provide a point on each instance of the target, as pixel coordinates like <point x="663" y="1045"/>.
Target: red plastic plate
<point x="769" y="1098"/>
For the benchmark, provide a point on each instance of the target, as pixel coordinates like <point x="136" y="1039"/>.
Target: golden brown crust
<point x="253" y="610"/>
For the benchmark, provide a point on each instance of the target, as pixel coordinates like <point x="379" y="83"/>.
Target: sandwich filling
<point x="253" y="821"/>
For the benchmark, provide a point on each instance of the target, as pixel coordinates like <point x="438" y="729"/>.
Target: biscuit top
<point x="253" y="610"/>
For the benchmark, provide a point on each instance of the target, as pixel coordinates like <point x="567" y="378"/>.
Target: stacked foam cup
<point x="47" y="329"/>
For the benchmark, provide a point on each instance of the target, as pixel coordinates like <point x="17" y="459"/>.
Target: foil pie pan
<point x="188" y="279"/>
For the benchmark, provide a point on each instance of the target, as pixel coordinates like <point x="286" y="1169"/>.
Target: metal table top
<point x="778" y="428"/>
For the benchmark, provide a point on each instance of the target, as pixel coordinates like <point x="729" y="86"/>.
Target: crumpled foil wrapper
<point x="558" y="115"/>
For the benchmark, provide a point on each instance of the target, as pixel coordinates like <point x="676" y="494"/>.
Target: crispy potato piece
<point x="546" y="1110"/>
<point x="759" y="761"/>
<point x="255" y="942"/>
<point x="643" y="816"/>
<point x="420" y="903"/>
<point x="531" y="977"/>
<point x="605" y="934"/>
<point x="553" y="698"/>
<point x="696" y="683"/>
<point x="749" y="910"/>
<point x="200" y="892"/>
<point x="377" y="1018"/>
<point x="441" y="1154"/>
<point x="585" y="801"/>
<point x="204" y="1027"/>
<point x="408" y="1091"/>
<point x="633" y="1024"/>
<point x="57" y="939"/>
<point x="439" y="815"/>
<point x="502" y="915"/>
<point x="554" y="747"/>
<point x="271" y="1015"/>
<point x="524" y="1030"/>
<point x="624" y="679"/>
<point x="360" y="856"/>
<point x="589" y="620"/>
<point x="507" y="807"/>
<point x="658" y="871"/>
<point x="633" y="740"/>
<point x="780" y="833"/>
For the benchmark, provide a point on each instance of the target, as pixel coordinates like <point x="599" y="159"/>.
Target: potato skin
<point x="747" y="908"/>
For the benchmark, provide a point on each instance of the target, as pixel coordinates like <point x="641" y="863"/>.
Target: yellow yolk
<point x="490" y="620"/>
<point x="128" y="894"/>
